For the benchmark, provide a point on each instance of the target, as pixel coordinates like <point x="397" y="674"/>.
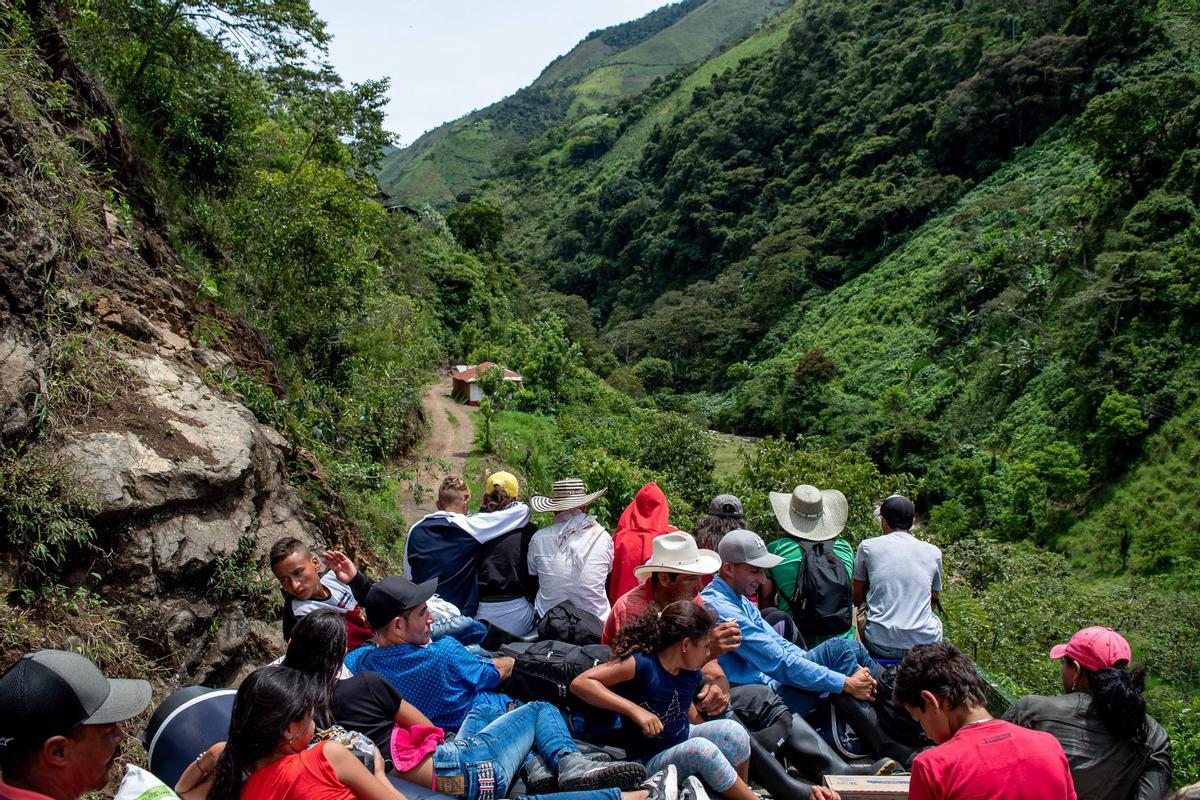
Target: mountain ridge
<point x="459" y="154"/>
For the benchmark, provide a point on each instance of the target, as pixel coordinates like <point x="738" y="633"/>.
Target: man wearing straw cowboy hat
<point x="673" y="573"/>
<point x="813" y="519"/>
<point x="572" y="557"/>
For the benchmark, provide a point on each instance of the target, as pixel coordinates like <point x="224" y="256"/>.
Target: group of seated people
<point x="711" y="688"/>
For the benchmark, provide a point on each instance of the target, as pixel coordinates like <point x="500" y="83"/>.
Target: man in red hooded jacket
<point x="645" y="519"/>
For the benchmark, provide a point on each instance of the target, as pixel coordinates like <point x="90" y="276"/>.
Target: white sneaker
<point x="693" y="789"/>
<point x="664" y="784"/>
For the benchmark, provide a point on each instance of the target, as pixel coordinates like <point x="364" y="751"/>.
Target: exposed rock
<point x="18" y="382"/>
<point x="186" y="545"/>
<point x="217" y="362"/>
<point x="126" y="319"/>
<point x="188" y="445"/>
<point x="182" y="474"/>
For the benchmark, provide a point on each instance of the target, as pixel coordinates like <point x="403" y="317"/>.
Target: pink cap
<point x="1094" y="648"/>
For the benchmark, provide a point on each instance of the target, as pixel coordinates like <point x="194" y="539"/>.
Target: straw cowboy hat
<point x="568" y="493"/>
<point x="809" y="513"/>
<point x="677" y="552"/>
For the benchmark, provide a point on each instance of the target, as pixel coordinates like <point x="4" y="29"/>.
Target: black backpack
<point x="822" y="602"/>
<point x="544" y="670"/>
<point x="566" y="623"/>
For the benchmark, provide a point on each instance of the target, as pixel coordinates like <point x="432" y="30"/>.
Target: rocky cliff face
<point x="100" y="368"/>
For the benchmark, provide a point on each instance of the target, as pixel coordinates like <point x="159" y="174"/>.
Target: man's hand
<point x="504" y="665"/>
<point x="725" y="638"/>
<point x="712" y="700"/>
<point x="860" y="685"/>
<point x="648" y="721"/>
<point x="824" y="793"/>
<point x="343" y="568"/>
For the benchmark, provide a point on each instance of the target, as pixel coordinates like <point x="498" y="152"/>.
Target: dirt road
<point x="444" y="452"/>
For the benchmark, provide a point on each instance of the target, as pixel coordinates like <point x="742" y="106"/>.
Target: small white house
<point x="466" y="382"/>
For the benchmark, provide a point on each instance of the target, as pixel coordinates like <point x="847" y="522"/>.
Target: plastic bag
<point x="138" y="784"/>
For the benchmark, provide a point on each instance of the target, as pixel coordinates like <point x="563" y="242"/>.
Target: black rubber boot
<point x="812" y="756"/>
<point x="862" y="718"/>
<point x="768" y="772"/>
<point x="578" y="773"/>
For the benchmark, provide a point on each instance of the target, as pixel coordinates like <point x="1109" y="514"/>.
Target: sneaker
<point x="664" y="784"/>
<point x="539" y="778"/>
<point x="578" y="773"/>
<point x="693" y="789"/>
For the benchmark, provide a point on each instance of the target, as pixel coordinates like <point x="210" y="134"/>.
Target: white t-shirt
<point x="900" y="571"/>
<point x="572" y="560"/>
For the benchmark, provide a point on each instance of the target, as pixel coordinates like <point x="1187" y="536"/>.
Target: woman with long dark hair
<point x="651" y="681"/>
<point x="1115" y="749"/>
<point x="724" y="515"/>
<point x="488" y="750"/>
<point x="267" y="757"/>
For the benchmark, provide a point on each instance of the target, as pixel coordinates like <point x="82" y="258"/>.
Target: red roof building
<point x="466" y="381"/>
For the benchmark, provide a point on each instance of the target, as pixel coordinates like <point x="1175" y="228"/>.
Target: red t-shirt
<point x="303" y="776"/>
<point x="993" y="760"/>
<point x="627" y="608"/>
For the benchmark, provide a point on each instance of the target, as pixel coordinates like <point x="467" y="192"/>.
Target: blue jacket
<point x="764" y="656"/>
<point x="445" y="545"/>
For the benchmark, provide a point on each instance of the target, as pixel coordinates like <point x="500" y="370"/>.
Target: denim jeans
<point x="840" y="655"/>
<point x="489" y="750"/>
<point x="468" y="631"/>
<point x="885" y="652"/>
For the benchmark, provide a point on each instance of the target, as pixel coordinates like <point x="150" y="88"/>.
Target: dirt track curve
<point x="444" y="452"/>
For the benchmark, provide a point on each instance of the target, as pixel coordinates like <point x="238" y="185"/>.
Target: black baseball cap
<point x="899" y="511"/>
<point x="49" y="692"/>
<point x="392" y="596"/>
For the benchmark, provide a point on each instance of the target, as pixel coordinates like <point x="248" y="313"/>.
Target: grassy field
<point x="727" y="452"/>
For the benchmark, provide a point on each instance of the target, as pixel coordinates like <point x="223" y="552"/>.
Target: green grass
<point x="525" y="444"/>
<point x="727" y="453"/>
<point x="1155" y="500"/>
<point x="528" y="444"/>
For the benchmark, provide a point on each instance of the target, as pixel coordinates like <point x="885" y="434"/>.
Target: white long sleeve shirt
<point x="572" y="559"/>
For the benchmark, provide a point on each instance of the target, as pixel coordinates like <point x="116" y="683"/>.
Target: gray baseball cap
<point x="725" y="505"/>
<point x="741" y="546"/>
<point x="49" y="692"/>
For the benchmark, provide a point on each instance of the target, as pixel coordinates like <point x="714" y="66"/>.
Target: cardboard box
<point x="869" y="787"/>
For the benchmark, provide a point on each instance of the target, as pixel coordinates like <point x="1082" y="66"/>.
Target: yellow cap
<point x="505" y="480"/>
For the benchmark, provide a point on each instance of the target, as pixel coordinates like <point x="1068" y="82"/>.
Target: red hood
<point x="648" y="512"/>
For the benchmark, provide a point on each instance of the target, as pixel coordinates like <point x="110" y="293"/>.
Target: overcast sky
<point x="447" y="57"/>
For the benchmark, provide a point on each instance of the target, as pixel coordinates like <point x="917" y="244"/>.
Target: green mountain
<point x="608" y="65"/>
<point x="959" y="237"/>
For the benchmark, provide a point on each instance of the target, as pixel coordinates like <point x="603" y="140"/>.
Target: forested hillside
<point x="606" y="66"/>
<point x="957" y="239"/>
<point x="942" y="247"/>
<point x="960" y="237"/>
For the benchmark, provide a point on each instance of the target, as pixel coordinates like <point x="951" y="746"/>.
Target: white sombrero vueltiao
<point x="677" y="552"/>
<point x="809" y="513"/>
<point x="567" y="494"/>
